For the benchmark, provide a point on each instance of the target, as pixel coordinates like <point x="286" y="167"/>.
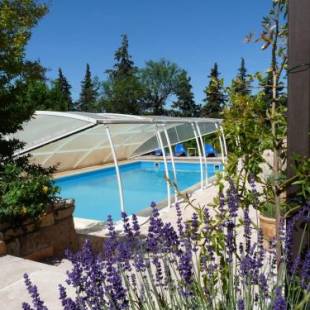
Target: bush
<point x="26" y="191"/>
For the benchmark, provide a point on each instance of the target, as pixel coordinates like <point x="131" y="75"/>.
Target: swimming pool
<point x="96" y="192"/>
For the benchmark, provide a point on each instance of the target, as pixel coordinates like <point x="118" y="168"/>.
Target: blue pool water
<point x="96" y="193"/>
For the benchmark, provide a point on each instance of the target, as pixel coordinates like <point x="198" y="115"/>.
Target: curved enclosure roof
<point x="74" y="140"/>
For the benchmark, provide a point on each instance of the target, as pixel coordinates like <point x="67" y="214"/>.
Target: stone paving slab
<point x="12" y="288"/>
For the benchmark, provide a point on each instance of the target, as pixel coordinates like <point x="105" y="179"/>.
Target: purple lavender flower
<point x="279" y="301"/>
<point x="263" y="285"/>
<point x="67" y="303"/>
<point x="230" y="240"/>
<point x="305" y="272"/>
<point x="158" y="271"/>
<point x="194" y="230"/>
<point x="240" y="304"/>
<point x="126" y="226"/>
<point x="185" y="264"/>
<point x="233" y="200"/>
<point x="33" y="291"/>
<point x="254" y="191"/>
<point x="154" y="231"/>
<point x="135" y="225"/>
<point x="179" y="219"/>
<point x="247" y="229"/>
<point x="302" y="215"/>
<point x="26" y="306"/>
<point x="115" y="290"/>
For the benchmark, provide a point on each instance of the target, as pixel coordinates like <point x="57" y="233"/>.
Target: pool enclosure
<point x="73" y="140"/>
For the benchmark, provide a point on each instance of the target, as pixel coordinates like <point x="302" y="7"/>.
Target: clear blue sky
<point x="192" y="33"/>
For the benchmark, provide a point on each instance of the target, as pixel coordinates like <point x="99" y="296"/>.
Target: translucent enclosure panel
<point x="42" y="128"/>
<point x="77" y="139"/>
<point x="177" y="133"/>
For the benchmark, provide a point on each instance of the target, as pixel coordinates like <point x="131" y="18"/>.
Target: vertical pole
<point x="172" y="163"/>
<point x="298" y="139"/>
<point x="118" y="176"/>
<point x="203" y="152"/>
<point x="224" y="141"/>
<point x="221" y="143"/>
<point x="199" y="152"/>
<point x="161" y="145"/>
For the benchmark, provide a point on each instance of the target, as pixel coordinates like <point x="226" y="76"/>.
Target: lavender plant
<point x="214" y="261"/>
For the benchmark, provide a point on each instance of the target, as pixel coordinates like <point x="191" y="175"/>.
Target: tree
<point x="65" y="89"/>
<point x="215" y="97"/>
<point x="185" y="103"/>
<point x="38" y="94"/>
<point x="160" y="80"/>
<point x="89" y="93"/>
<point x="16" y="73"/>
<point x="21" y="183"/>
<point x="124" y="65"/>
<point x="242" y="83"/>
<point x="123" y="90"/>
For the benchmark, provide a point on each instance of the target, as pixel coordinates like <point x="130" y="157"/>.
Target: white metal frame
<point x="161" y="145"/>
<point x="118" y="175"/>
<point x="221" y="143"/>
<point x="172" y="163"/>
<point x="224" y="140"/>
<point x="204" y="155"/>
<point x="200" y="155"/>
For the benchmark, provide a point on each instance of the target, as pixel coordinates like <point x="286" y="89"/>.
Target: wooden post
<point x="298" y="81"/>
<point x="298" y="99"/>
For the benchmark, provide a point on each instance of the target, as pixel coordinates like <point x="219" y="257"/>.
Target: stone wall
<point x="50" y="236"/>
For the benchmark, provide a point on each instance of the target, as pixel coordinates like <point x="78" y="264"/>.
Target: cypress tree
<point x="241" y="84"/>
<point x="88" y="94"/>
<point x="185" y="103"/>
<point x="215" y="99"/>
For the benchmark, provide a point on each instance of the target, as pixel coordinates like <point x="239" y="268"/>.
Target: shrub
<point x="25" y="192"/>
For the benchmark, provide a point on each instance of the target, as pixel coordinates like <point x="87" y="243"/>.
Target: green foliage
<point x="25" y="189"/>
<point x="38" y="94"/>
<point x="124" y="65"/>
<point x="242" y="82"/>
<point x="64" y="87"/>
<point x="122" y="92"/>
<point x="302" y="177"/>
<point x="160" y="80"/>
<point x="25" y="192"/>
<point x="247" y="136"/>
<point x="215" y="99"/>
<point x="17" y="18"/>
<point x="89" y="93"/>
<point x="185" y="104"/>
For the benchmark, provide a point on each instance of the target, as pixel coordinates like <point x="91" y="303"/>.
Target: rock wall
<point x="50" y="236"/>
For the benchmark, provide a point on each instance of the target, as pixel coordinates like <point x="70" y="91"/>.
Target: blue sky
<point x="192" y="33"/>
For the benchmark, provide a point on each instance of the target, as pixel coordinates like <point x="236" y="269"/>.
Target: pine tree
<point x="241" y="84"/>
<point x="124" y="65"/>
<point x="185" y="103"/>
<point x="65" y="89"/>
<point x="123" y="90"/>
<point x="88" y="94"/>
<point x="215" y="99"/>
